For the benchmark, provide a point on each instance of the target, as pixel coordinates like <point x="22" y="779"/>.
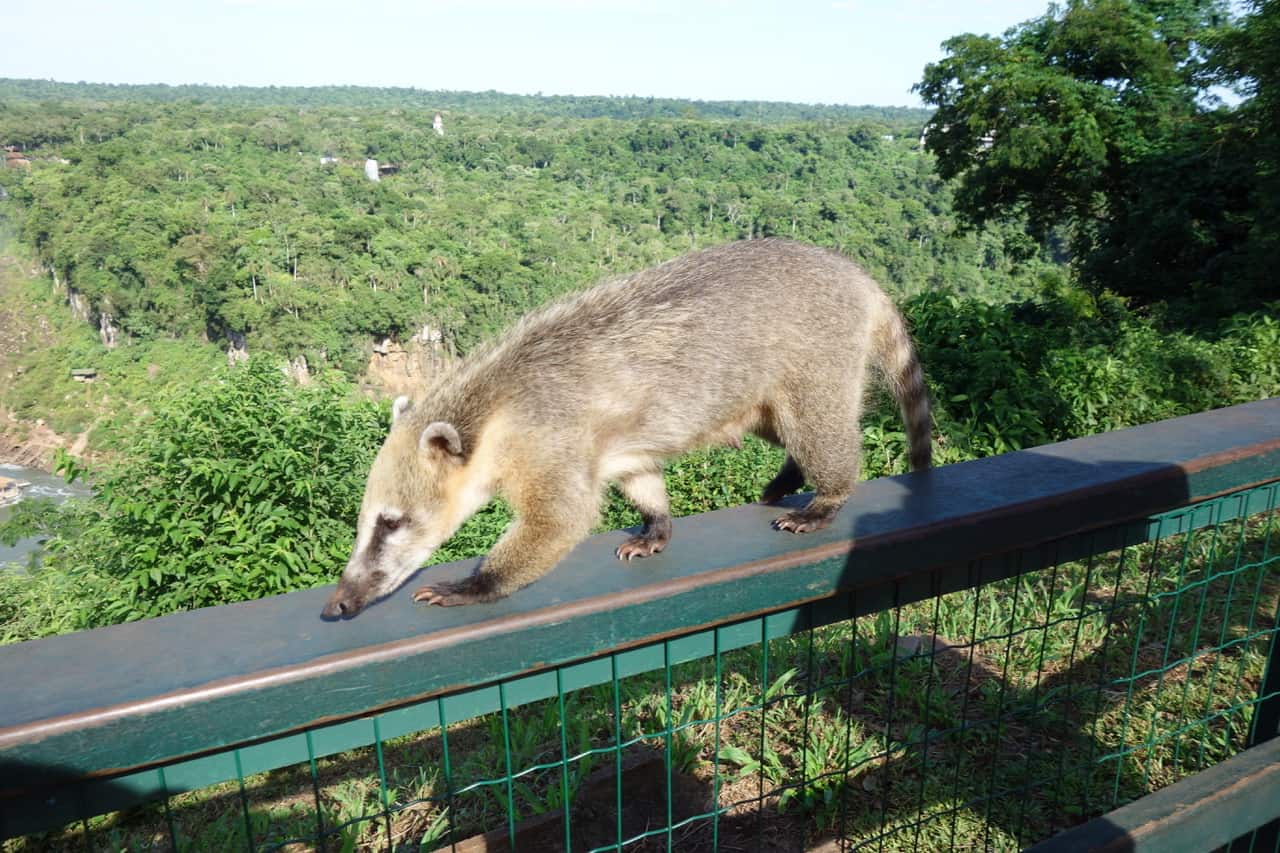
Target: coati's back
<point x="692" y="341"/>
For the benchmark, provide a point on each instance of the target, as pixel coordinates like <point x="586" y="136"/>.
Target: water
<point x="42" y="486"/>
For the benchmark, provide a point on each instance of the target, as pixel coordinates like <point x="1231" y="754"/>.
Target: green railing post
<point x="1266" y="723"/>
<point x="1266" y="726"/>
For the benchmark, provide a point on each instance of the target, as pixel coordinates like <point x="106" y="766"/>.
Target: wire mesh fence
<point x="1046" y="691"/>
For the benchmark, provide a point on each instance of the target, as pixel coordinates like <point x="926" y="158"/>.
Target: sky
<point x="809" y="51"/>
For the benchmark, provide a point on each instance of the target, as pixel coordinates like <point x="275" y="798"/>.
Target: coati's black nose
<point x="340" y="606"/>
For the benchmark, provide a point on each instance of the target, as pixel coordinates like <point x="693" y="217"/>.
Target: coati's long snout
<point x="764" y="336"/>
<point x="426" y="480"/>
<point x="346" y="601"/>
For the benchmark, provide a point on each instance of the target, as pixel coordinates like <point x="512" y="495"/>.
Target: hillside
<point x="246" y="223"/>
<point x="43" y="407"/>
<point x="22" y="331"/>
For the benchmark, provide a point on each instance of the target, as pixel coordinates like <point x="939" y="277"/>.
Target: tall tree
<point x="1248" y="58"/>
<point x="1096" y="118"/>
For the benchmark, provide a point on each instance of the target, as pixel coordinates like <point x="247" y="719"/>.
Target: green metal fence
<point x="979" y="681"/>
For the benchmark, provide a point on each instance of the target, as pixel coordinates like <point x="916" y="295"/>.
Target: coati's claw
<point x="472" y="590"/>
<point x="800" y="521"/>
<point x="639" y="546"/>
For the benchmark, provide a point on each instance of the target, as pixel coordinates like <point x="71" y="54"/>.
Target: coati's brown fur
<point x="764" y="336"/>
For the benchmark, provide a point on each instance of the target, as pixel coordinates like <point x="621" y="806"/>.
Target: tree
<point x="1095" y="117"/>
<point x="1248" y="57"/>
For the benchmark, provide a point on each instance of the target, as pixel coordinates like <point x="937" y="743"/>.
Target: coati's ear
<point x="442" y="438"/>
<point x="399" y="407"/>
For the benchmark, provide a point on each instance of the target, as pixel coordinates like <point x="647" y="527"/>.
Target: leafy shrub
<point x="247" y="485"/>
<point x="244" y="486"/>
<point x="1068" y="364"/>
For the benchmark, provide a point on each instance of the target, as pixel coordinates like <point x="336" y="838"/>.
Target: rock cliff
<point x="404" y="368"/>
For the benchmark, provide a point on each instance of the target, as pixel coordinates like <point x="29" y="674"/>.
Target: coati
<point x="764" y="336"/>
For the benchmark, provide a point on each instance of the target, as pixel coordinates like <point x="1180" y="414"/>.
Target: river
<point x="42" y="486"/>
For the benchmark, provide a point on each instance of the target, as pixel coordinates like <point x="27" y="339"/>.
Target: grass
<point x="988" y="718"/>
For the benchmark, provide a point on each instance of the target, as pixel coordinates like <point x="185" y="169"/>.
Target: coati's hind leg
<point x="789" y="481"/>
<point x="822" y="435"/>
<point x="648" y="493"/>
<point x="815" y="515"/>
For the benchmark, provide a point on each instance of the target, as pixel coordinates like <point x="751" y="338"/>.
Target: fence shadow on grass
<point x="1138" y="666"/>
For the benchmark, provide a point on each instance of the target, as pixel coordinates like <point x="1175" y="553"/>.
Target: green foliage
<point x="40" y="603"/>
<point x="238" y="488"/>
<point x="186" y="220"/>
<point x="1067" y="365"/>
<point x="1099" y="118"/>
<point x="1248" y="58"/>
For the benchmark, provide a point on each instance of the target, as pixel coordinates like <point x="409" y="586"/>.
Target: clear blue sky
<point x="814" y="51"/>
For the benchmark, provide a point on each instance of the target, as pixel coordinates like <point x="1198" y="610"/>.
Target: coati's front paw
<point x="476" y="589"/>
<point x="640" y="546"/>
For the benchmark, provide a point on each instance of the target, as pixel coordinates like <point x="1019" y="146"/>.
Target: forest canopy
<point x="185" y="218"/>
<point x="628" y="107"/>
<point x="1103" y="120"/>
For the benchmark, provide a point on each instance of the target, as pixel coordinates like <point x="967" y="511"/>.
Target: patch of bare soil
<point x="32" y="444"/>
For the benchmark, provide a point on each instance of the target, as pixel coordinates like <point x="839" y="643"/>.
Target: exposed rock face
<point x="395" y="368"/>
<point x="371" y="170"/>
<point x="297" y="370"/>
<point x="83" y="311"/>
<point x="80" y="308"/>
<point x="237" y="349"/>
<point x="107" y="329"/>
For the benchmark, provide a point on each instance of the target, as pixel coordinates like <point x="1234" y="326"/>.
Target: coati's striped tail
<point x="906" y="380"/>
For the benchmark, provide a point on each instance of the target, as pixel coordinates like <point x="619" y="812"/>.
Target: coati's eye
<point x="390" y="524"/>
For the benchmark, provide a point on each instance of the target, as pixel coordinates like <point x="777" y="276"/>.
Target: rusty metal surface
<point x="72" y="693"/>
